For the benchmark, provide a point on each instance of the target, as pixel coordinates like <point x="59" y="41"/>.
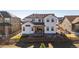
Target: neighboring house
<point x="8" y="24"/>
<point x="70" y="24"/>
<point x="40" y="23"/>
<point x="59" y="29"/>
<point x="15" y="24"/>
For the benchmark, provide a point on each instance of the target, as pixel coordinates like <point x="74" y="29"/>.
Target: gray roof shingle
<point x="5" y="14"/>
<point x="38" y="15"/>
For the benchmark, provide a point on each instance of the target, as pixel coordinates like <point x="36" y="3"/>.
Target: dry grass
<point x="72" y="36"/>
<point x="77" y="45"/>
<point x="31" y="46"/>
<point x="50" y="45"/>
<point x="17" y="37"/>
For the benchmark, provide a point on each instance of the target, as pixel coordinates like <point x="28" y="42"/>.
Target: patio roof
<point x="35" y="23"/>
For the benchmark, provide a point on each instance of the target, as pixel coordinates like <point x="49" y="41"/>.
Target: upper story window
<point x="52" y="20"/>
<point x="47" y="20"/>
<point x="39" y="20"/>
<point x="42" y="20"/>
<point x="52" y="28"/>
<point x="23" y="28"/>
<point x="33" y="20"/>
<point x="27" y="25"/>
<point x="7" y="19"/>
<point x="47" y="28"/>
<point x="32" y="29"/>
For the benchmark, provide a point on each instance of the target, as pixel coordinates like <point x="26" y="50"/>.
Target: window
<point x="23" y="28"/>
<point x="47" y="28"/>
<point x="47" y="20"/>
<point x="33" y="20"/>
<point x="32" y="29"/>
<point x="42" y="20"/>
<point x="7" y="19"/>
<point x="39" y="20"/>
<point x="27" y="25"/>
<point x="52" y="20"/>
<point x="52" y="29"/>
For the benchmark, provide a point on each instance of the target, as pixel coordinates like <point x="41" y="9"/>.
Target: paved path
<point x="31" y="46"/>
<point x="50" y="45"/>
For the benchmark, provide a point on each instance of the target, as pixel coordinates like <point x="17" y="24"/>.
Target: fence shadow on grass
<point x="37" y="45"/>
<point x="23" y="43"/>
<point x="61" y="41"/>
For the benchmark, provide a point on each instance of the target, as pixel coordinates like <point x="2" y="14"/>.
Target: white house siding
<point x="28" y="29"/>
<point x="50" y="24"/>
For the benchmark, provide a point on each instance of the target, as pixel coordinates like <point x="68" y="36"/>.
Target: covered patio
<point x="38" y="28"/>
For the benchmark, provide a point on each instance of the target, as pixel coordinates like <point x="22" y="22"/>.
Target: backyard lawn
<point x="18" y="36"/>
<point x="42" y="45"/>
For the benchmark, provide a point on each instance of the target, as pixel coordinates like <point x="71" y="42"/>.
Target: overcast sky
<point x="59" y="13"/>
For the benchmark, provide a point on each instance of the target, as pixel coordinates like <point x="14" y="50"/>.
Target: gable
<point x="71" y="18"/>
<point x="66" y="22"/>
<point x="51" y="17"/>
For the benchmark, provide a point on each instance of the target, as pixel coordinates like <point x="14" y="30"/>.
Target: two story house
<point x="8" y="24"/>
<point x="40" y="23"/>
